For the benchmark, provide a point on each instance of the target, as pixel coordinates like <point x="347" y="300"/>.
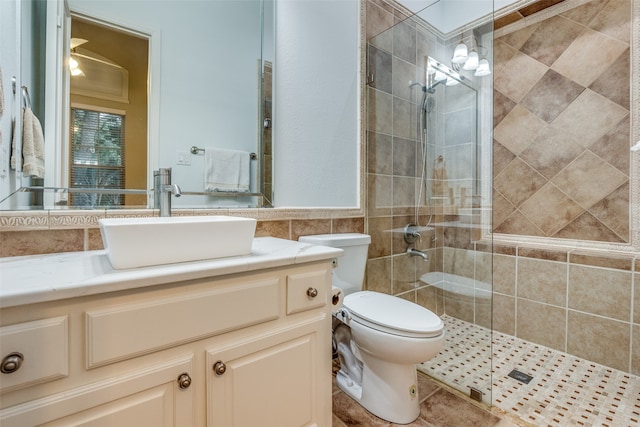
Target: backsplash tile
<point x="41" y="242"/>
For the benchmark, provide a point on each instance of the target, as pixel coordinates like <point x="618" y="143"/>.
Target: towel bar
<point x="197" y="150"/>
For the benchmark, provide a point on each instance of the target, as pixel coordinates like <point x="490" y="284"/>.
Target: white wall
<point x="449" y="15"/>
<point x="15" y="16"/>
<point x="316" y="104"/>
<point x="10" y="67"/>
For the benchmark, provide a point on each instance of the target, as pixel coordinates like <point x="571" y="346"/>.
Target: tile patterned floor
<point x="565" y="390"/>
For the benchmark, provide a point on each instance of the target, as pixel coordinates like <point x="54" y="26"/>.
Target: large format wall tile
<point x="562" y="91"/>
<point x="599" y="339"/>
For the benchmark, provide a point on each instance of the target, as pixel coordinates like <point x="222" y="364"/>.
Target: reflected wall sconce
<point x="483" y="68"/>
<point x="470" y="58"/>
<point x="460" y="54"/>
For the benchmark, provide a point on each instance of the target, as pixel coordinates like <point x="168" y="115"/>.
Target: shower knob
<point x="219" y="367"/>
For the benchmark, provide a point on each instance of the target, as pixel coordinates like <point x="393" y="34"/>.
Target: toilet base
<point x="392" y="397"/>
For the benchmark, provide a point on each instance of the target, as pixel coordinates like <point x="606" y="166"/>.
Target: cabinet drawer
<point x="43" y="347"/>
<point x="307" y="290"/>
<point x="124" y="331"/>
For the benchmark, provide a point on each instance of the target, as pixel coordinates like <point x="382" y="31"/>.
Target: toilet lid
<point x="392" y="314"/>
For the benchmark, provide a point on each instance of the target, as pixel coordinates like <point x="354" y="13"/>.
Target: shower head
<point x="432" y="87"/>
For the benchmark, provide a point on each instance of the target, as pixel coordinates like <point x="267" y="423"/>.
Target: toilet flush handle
<point x="343" y="314"/>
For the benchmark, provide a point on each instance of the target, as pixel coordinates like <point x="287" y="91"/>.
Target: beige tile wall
<point x="573" y="300"/>
<point x="393" y="155"/>
<point x="51" y="237"/>
<point x="562" y="129"/>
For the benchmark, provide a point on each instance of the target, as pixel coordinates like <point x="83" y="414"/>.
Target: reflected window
<point x="97" y="156"/>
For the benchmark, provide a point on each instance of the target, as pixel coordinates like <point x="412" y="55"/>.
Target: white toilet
<point x="381" y="337"/>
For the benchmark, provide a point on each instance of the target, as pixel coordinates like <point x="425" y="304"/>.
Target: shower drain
<point x="520" y="376"/>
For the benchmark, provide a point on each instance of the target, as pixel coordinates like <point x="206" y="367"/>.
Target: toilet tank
<point x="349" y="274"/>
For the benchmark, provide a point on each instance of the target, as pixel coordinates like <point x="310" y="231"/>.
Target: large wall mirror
<point x="132" y="87"/>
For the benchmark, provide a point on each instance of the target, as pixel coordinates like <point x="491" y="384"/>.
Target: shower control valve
<point x="411" y="233"/>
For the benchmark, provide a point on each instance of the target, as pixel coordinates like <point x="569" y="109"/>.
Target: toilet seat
<point x="392" y="315"/>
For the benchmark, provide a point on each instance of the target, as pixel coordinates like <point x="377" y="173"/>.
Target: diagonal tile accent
<point x="613" y="83"/>
<point x="587" y="227"/>
<point x="551" y="39"/>
<point x="590" y="116"/>
<point x="550" y="209"/>
<point x="518" y="181"/>
<point x="518" y="129"/>
<point x="502" y="208"/>
<point x="502" y="106"/>
<point x="552" y="151"/>
<point x="614" y="20"/>
<point x="614" y="146"/>
<point x="586" y="46"/>
<point x="519" y="37"/>
<point x="502" y="53"/>
<point x="517" y="223"/>
<point x="585" y="13"/>
<point x="551" y="96"/>
<point x="518" y="75"/>
<point x="589" y="179"/>
<point x="613" y="211"/>
<point x="501" y="157"/>
<point x="589" y="56"/>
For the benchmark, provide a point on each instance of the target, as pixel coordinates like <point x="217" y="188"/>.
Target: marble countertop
<point x="39" y="278"/>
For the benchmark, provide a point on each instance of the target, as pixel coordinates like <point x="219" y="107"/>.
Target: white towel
<point x="226" y="170"/>
<point x="32" y="146"/>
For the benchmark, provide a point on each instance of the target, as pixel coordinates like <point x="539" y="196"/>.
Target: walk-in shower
<point x="435" y="174"/>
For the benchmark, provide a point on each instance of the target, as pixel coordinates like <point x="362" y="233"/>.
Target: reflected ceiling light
<point x="74" y="68"/>
<point x="472" y="61"/>
<point x="460" y="54"/>
<point x="483" y="68"/>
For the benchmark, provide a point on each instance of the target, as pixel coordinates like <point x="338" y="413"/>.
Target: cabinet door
<point x="282" y="380"/>
<point x="149" y="397"/>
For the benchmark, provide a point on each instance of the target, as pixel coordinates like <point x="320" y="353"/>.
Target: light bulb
<point x="483" y="68"/>
<point x="73" y="64"/>
<point x="460" y="54"/>
<point x="472" y="61"/>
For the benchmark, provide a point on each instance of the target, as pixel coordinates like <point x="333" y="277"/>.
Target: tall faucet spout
<point x="164" y="189"/>
<point x="173" y="188"/>
<point x="418" y="252"/>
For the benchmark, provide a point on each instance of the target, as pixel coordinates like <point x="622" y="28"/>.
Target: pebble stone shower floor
<point x="565" y="390"/>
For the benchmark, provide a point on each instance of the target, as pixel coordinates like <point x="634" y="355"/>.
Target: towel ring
<point x="25" y="97"/>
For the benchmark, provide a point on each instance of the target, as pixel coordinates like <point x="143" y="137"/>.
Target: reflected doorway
<point x="108" y="126"/>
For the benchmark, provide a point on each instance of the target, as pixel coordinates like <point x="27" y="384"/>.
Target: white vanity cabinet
<point x="235" y="350"/>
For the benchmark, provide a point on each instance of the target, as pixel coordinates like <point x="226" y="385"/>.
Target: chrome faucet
<point x="163" y="189"/>
<point x="418" y="252"/>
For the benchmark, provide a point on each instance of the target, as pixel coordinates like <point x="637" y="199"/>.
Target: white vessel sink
<point x="139" y="242"/>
